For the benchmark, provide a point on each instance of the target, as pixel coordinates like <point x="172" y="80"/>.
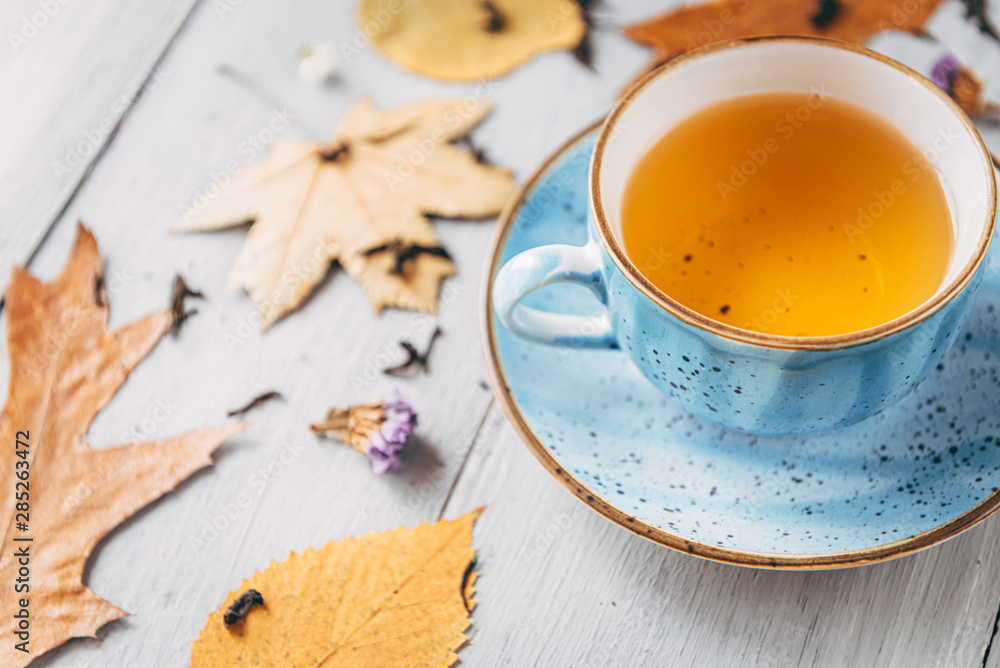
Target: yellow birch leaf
<point x="469" y="40"/>
<point x="362" y="200"/>
<point x="65" y="366"/>
<point x="397" y="598"/>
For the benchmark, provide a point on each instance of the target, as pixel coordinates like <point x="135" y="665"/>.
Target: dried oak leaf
<point x="398" y="598"/>
<point x="469" y="40"/>
<point x="65" y="366"/>
<point x="691" y="26"/>
<point x="374" y="184"/>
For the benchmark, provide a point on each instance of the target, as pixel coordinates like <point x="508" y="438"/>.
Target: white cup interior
<point x="914" y="105"/>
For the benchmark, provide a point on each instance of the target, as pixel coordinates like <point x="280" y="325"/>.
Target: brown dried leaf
<point x="691" y="26"/>
<point x="398" y="598"/>
<point x="469" y="40"/>
<point x="65" y="366"/>
<point x="372" y="185"/>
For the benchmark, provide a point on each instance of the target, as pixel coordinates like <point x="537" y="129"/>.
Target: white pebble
<point x="318" y="63"/>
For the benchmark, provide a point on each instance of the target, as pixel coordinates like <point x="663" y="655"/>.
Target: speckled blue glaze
<point x="772" y="391"/>
<point x="750" y="387"/>
<point x="922" y="462"/>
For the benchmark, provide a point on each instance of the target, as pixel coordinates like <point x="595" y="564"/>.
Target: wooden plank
<point x="69" y="73"/>
<point x="176" y="140"/>
<point x="560" y="585"/>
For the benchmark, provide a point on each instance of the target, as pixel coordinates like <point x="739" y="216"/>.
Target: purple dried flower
<point x="381" y="458"/>
<point x="380" y="431"/>
<point x="964" y="87"/>
<point x="398" y="423"/>
<point x="400" y="419"/>
<point x="944" y="70"/>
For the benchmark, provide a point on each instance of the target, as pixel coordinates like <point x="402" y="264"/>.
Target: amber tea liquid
<point x="789" y="213"/>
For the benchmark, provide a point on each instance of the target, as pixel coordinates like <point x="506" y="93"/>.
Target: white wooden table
<point x="135" y="90"/>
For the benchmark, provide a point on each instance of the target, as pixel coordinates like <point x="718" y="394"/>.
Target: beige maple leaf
<point x="65" y="366"/>
<point x="398" y="598"/>
<point x="469" y="41"/>
<point x="371" y="187"/>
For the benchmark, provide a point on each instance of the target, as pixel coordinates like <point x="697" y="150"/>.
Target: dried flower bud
<point x="380" y="431"/>
<point x="963" y="86"/>
<point x="942" y="72"/>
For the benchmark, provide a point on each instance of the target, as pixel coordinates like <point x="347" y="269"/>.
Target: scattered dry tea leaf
<point x="373" y="185"/>
<point x="259" y="400"/>
<point x="470" y="40"/>
<point x="398" y="598"/>
<point x="65" y="366"/>
<point x="691" y="26"/>
<point x="416" y="361"/>
<point x="243" y="604"/>
<point x="976" y="11"/>
<point x="178" y="305"/>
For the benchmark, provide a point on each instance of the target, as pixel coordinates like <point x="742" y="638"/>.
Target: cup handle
<point x="545" y="265"/>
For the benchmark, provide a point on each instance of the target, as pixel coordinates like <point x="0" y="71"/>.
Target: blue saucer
<point x="911" y="477"/>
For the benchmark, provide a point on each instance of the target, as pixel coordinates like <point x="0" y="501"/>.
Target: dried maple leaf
<point x="857" y="21"/>
<point x="370" y="187"/>
<point x="65" y="365"/>
<point x="469" y="40"/>
<point x="398" y="598"/>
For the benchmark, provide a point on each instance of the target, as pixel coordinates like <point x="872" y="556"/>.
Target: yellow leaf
<point x="370" y="188"/>
<point x="469" y="40"/>
<point x="65" y="366"/>
<point x="388" y="599"/>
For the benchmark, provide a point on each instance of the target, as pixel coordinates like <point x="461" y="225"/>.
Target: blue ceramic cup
<point x="747" y="380"/>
